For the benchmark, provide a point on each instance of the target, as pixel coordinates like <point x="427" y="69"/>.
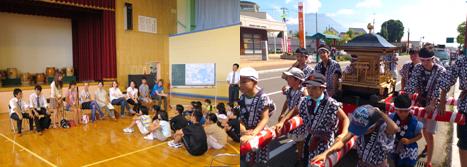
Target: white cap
<point x="222" y="117"/>
<point x="249" y="72"/>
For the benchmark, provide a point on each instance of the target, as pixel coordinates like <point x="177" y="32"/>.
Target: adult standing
<point x="232" y="79"/>
<point x="330" y="69"/>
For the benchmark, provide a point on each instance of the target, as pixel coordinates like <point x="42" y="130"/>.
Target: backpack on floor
<point x="85" y="119"/>
<point x="64" y="123"/>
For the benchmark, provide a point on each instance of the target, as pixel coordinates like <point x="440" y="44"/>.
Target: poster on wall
<point x="147" y="24"/>
<point x="193" y="75"/>
<point x="200" y="74"/>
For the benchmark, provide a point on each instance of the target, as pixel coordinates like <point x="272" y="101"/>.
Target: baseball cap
<point x="318" y="79"/>
<point x="362" y="119"/>
<point x="250" y="73"/>
<point x="295" y="72"/>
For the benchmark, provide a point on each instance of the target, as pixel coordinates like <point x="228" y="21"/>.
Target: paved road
<point x="272" y="84"/>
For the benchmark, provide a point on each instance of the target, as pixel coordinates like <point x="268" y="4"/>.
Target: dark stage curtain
<point x="94" y="56"/>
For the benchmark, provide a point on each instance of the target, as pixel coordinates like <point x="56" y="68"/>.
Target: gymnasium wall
<point x="135" y="49"/>
<point x="31" y="43"/>
<point x="208" y="46"/>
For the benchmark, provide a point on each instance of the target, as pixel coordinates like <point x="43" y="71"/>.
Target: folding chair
<point x="12" y="122"/>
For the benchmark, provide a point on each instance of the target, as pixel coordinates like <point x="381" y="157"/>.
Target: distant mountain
<point x="323" y="22"/>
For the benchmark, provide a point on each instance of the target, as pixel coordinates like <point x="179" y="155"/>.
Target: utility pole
<point x="316" y="22"/>
<point x="284" y="14"/>
<point x="408" y="39"/>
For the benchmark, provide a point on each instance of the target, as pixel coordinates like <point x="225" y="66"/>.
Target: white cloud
<point x="369" y="4"/>
<point x="287" y="1"/>
<point x="433" y="19"/>
<point x="292" y="20"/>
<point x="341" y="12"/>
<point x="311" y="6"/>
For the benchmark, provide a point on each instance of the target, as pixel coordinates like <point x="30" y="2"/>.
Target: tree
<point x="461" y="36"/>
<point x="392" y="30"/>
<point x="350" y="34"/>
<point x="329" y="32"/>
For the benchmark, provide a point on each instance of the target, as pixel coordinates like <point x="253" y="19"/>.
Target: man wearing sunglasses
<point x="425" y="81"/>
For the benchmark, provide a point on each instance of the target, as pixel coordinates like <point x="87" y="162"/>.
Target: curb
<point x="455" y="159"/>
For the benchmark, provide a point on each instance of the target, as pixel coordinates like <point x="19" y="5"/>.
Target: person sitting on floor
<point x="209" y="107"/>
<point x="216" y="136"/>
<point x="160" y="127"/>
<point x="231" y="124"/>
<point x="221" y="109"/>
<point x="179" y="121"/>
<point x="157" y="109"/>
<point x="18" y="110"/>
<point x="142" y="121"/>
<point x="38" y="104"/>
<point x="193" y="136"/>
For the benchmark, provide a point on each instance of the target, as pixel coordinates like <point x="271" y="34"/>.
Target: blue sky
<point x="434" y="20"/>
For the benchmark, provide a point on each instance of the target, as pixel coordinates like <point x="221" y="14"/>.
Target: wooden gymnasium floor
<point x="102" y="143"/>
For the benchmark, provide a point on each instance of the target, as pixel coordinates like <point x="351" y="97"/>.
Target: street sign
<point x="450" y="40"/>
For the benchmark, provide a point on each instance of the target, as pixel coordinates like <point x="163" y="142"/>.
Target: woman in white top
<point x="117" y="98"/>
<point x="132" y="93"/>
<point x="86" y="102"/>
<point x="102" y="98"/>
<point x="56" y="98"/>
<point x="160" y="127"/>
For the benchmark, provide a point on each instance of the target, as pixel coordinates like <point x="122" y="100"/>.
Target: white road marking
<point x="265" y="79"/>
<point x="273" y="93"/>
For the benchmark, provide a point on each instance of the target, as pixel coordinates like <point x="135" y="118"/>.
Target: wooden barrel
<point x="3" y="74"/>
<point x="25" y="79"/>
<point x="70" y="71"/>
<point x="63" y="71"/>
<point x="50" y="71"/>
<point x="40" y="78"/>
<point x="12" y="73"/>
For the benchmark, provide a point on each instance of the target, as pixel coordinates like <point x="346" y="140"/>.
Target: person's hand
<point x="245" y="138"/>
<point x="429" y="109"/>
<point x="248" y="132"/>
<point x="20" y="116"/>
<point x="284" y="88"/>
<point x="279" y="126"/>
<point x="405" y="141"/>
<point x="321" y="157"/>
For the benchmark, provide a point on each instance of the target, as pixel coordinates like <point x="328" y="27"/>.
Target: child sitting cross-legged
<point x="142" y="121"/>
<point x="160" y="127"/>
